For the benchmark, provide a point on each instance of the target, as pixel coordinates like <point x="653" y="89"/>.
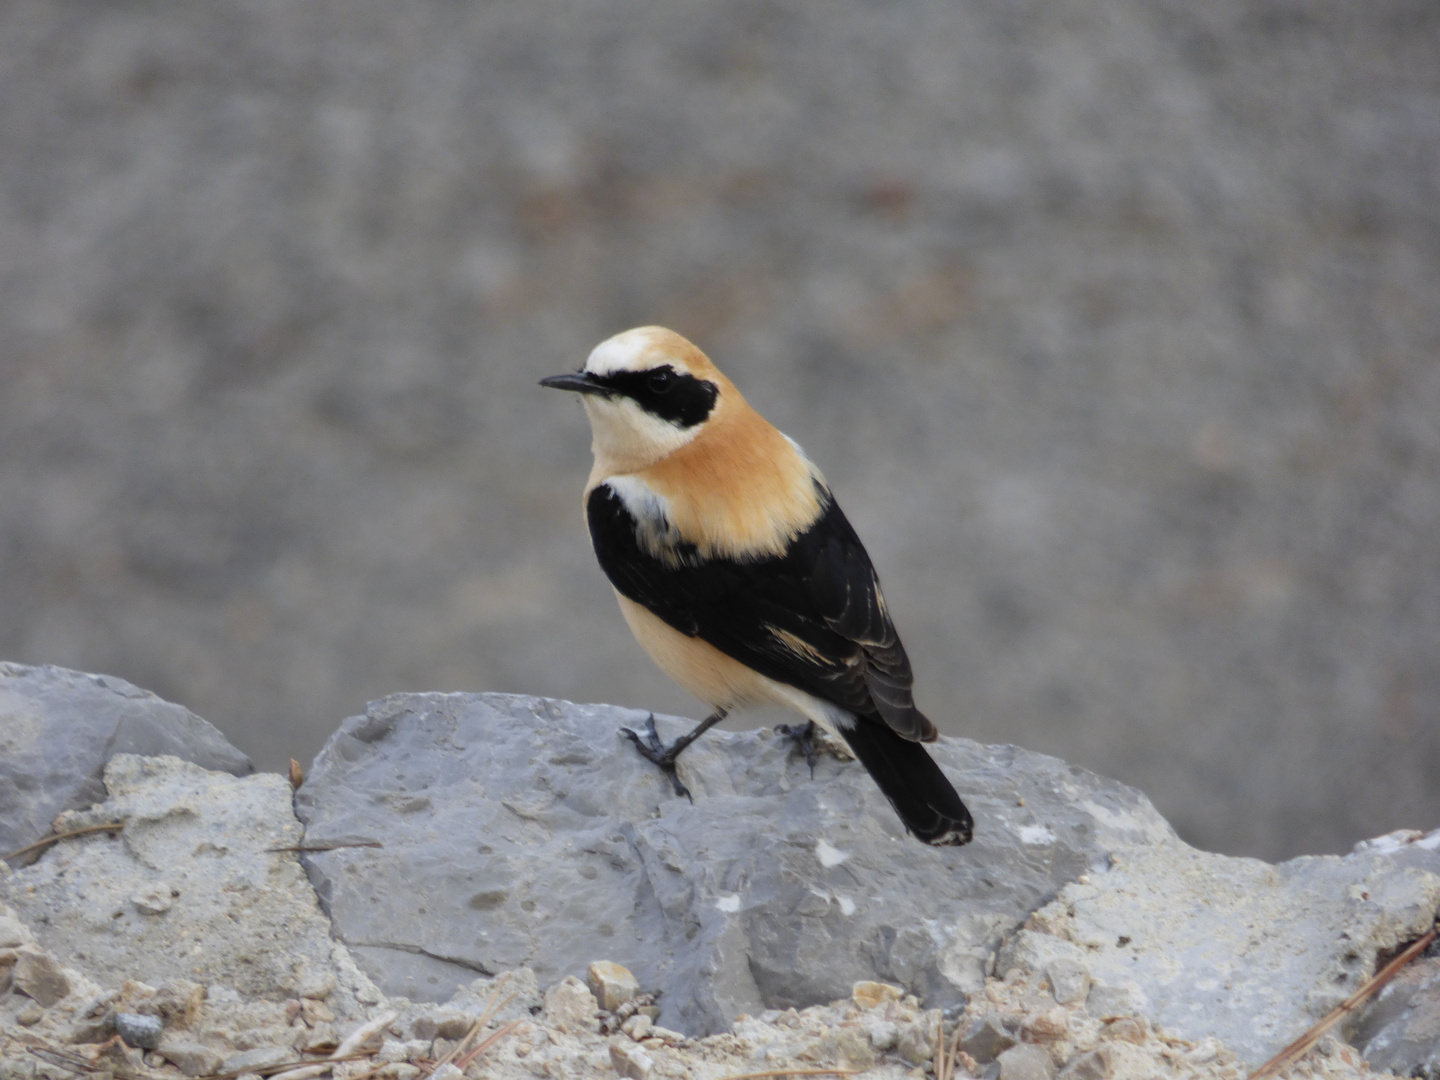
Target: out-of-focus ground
<point x="1115" y="326"/>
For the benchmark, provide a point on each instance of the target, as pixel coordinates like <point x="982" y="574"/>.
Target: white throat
<point x="627" y="438"/>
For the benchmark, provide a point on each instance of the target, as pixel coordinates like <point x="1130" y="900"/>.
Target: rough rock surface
<point x="58" y="728"/>
<point x="1107" y="980"/>
<point x="189" y="890"/>
<point x="520" y="830"/>
<point x="1250" y="953"/>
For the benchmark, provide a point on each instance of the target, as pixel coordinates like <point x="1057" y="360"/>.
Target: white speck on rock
<point x="1035" y="834"/>
<point x="728" y="902"/>
<point x="829" y="856"/>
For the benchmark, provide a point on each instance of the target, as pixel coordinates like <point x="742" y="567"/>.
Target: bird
<point x="739" y="574"/>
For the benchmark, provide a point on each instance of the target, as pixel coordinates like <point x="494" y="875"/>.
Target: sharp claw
<point x="804" y="738"/>
<point x="654" y="751"/>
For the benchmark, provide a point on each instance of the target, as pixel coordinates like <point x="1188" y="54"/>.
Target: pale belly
<point x="719" y="680"/>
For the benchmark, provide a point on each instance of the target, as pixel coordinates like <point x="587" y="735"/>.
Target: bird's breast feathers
<point x="744" y="492"/>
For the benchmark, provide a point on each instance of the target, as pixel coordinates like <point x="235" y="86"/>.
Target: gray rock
<point x="261" y="1057"/>
<point x="242" y="914"/>
<point x="1069" y="981"/>
<point x="569" y="1006"/>
<point x="987" y="1038"/>
<point x="1399" y="1031"/>
<point x="190" y="1057"/>
<point x="59" y="728"/>
<point x="1250" y="953"/>
<point x="140" y="1030"/>
<point x="38" y="976"/>
<point x="521" y="830"/>
<point x="1025" y="1062"/>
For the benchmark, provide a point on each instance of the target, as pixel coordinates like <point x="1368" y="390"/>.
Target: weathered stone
<point x="442" y="1023"/>
<point x="987" y="1038"/>
<point x="1399" y="1031"/>
<point x="611" y="984"/>
<point x="1186" y="930"/>
<point x="178" y="1002"/>
<point x="316" y="1012"/>
<point x="1094" y="1064"/>
<point x="238" y="910"/>
<point x="1025" y="1062"/>
<point x="139" y="1030"/>
<point x="14" y="933"/>
<point x="848" y="1047"/>
<point x="59" y="729"/>
<point x="190" y="1057"/>
<point x="259" y="1058"/>
<point x="1105" y="1002"/>
<point x="1051" y="1025"/>
<point x="869" y="994"/>
<point x="631" y="1061"/>
<point x="155" y="898"/>
<point x="37" y="975"/>
<point x="1069" y="981"/>
<point x="773" y="887"/>
<point x="638" y="1026"/>
<point x="570" y="1006"/>
<point x="316" y="985"/>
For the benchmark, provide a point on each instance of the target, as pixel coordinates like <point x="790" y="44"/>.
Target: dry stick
<point x="109" y="826"/>
<point x="945" y="1064"/>
<point x="1375" y="982"/>
<point x="493" y="1006"/>
<point x="449" y="1057"/>
<point x="490" y="1040"/>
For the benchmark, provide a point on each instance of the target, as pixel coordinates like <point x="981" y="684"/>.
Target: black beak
<point x="581" y="382"/>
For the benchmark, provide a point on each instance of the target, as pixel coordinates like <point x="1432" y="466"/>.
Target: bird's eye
<point x="662" y="380"/>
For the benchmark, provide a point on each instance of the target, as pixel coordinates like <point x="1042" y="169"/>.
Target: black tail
<point x="910" y="779"/>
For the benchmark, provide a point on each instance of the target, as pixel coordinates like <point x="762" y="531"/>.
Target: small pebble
<point x="139" y="1030"/>
<point x="30" y="1014"/>
<point x="869" y="994"/>
<point x="316" y="985"/>
<point x="316" y="1012"/>
<point x="634" y="1062"/>
<point x="638" y="1026"/>
<point x="612" y="984"/>
<point x="154" y="899"/>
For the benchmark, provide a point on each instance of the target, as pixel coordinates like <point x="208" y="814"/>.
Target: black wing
<point x="812" y="618"/>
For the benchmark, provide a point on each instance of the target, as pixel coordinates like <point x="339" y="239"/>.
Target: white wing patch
<point x="654" y="531"/>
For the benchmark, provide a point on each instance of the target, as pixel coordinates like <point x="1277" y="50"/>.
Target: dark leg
<point x="804" y="740"/>
<point x="652" y="749"/>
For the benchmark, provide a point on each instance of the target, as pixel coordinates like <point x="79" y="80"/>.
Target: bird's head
<point x="647" y="392"/>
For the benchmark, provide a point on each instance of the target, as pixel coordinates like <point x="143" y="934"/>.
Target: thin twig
<point x="280" y="1067"/>
<point x="430" y="1070"/>
<point x="493" y="1006"/>
<point x="109" y="826"/>
<point x="1297" y="1048"/>
<point x="490" y="1040"/>
<point x="945" y="1063"/>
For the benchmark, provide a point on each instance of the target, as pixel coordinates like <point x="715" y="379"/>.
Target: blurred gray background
<point x="1113" y="323"/>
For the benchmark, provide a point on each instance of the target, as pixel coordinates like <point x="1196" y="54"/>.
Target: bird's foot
<point x="803" y="736"/>
<point x="653" y="750"/>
